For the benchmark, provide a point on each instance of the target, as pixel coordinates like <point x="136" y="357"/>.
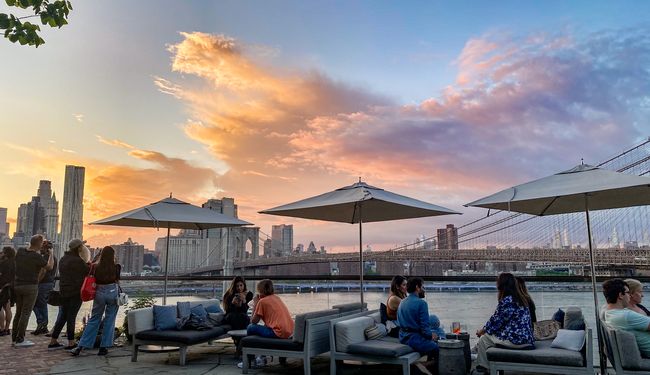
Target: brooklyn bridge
<point x="499" y="241"/>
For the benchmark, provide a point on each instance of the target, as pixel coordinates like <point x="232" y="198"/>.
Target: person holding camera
<point x="45" y="286"/>
<point x="235" y="304"/>
<point x="29" y="263"/>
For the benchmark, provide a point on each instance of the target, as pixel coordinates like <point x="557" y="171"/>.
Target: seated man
<point x="618" y="316"/>
<point x="415" y="327"/>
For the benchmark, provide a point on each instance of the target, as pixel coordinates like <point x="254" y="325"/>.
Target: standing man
<point x="29" y="263"/>
<point x="45" y="285"/>
<point x="618" y="316"/>
<point x="415" y="328"/>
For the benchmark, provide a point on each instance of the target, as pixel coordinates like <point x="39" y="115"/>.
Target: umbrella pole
<point x="592" y="265"/>
<point x="361" y="254"/>
<point x="166" y="266"/>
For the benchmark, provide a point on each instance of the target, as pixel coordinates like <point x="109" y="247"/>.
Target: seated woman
<point x="636" y="296"/>
<point x="235" y="304"/>
<point x="510" y="325"/>
<point x="396" y="295"/>
<point x="521" y="286"/>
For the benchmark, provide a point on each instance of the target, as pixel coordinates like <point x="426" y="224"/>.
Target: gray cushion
<point x="628" y="350"/>
<point x="188" y="337"/>
<point x="269" y="343"/>
<point x="543" y="354"/>
<point x="375" y="332"/>
<point x="573" y="319"/>
<point x="644" y="364"/>
<point x="301" y="322"/>
<point x="351" y="331"/>
<point x="389" y="339"/>
<point x="346" y="307"/>
<point x="380" y="348"/>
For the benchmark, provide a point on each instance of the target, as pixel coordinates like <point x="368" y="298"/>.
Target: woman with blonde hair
<point x="636" y="296"/>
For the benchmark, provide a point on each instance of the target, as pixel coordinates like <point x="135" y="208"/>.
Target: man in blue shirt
<point x="413" y="318"/>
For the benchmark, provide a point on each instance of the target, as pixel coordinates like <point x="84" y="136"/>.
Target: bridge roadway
<point x="638" y="258"/>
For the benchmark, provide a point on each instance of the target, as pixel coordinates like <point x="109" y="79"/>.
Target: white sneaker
<point x="24" y="344"/>
<point x="260" y="361"/>
<point x="240" y="365"/>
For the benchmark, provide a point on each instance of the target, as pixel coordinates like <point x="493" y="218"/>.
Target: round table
<point x="451" y="359"/>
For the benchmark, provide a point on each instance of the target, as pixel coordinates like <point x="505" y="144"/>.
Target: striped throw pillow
<point x="375" y="332"/>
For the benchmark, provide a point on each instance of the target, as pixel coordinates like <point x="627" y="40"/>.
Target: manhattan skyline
<point x="269" y="103"/>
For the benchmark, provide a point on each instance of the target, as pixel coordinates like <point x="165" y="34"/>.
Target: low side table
<point x="237" y="335"/>
<point x="464" y="337"/>
<point x="451" y="359"/>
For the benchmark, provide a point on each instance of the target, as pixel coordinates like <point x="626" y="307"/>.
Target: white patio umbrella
<point x="171" y="213"/>
<point x="582" y="188"/>
<point x="359" y="203"/>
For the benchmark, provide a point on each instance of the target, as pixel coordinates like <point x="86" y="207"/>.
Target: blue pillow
<point x="164" y="317"/>
<point x="184" y="309"/>
<point x="213" y="309"/>
<point x="199" y="311"/>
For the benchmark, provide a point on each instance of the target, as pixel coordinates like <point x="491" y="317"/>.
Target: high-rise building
<point x="72" y="213"/>
<point x="448" y="237"/>
<point x="131" y="256"/>
<point x="268" y="248"/>
<point x="4" y="226"/>
<point x="187" y="251"/>
<point x="282" y="239"/>
<point x="50" y="209"/>
<point x="30" y="218"/>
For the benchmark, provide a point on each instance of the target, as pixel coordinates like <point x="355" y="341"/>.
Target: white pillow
<point x="569" y="339"/>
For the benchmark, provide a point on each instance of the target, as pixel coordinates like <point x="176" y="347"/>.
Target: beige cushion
<point x="140" y="320"/>
<point x="351" y="331"/>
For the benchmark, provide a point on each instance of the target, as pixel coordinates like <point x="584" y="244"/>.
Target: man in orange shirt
<point x="274" y="313"/>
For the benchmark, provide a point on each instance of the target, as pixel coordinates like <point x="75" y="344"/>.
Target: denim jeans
<point x="25" y="296"/>
<point x="422" y="345"/>
<point x="434" y="321"/>
<point x="260" y="330"/>
<point x="104" y="305"/>
<point x="40" y="307"/>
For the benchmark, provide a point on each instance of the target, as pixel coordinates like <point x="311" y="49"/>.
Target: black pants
<point x="67" y="315"/>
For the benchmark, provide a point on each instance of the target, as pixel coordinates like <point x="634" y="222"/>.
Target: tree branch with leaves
<point x="53" y="14"/>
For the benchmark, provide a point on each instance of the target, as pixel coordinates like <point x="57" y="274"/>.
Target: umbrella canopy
<point x="342" y="205"/>
<point x="173" y="213"/>
<point x="579" y="189"/>
<point x="359" y="203"/>
<point x="564" y="192"/>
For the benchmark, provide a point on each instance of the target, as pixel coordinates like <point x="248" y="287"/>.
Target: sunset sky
<point x="269" y="102"/>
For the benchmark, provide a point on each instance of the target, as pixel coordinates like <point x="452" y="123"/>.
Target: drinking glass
<point x="455" y="328"/>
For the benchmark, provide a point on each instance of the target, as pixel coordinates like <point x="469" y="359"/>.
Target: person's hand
<point x="434" y="337"/>
<point x="480" y="332"/>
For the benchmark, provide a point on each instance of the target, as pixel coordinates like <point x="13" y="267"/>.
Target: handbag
<point x="54" y="297"/>
<point x="89" y="286"/>
<point x="122" y="297"/>
<point x="545" y="329"/>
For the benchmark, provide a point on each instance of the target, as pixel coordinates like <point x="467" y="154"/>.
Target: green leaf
<point x="4" y="21"/>
<point x="11" y="2"/>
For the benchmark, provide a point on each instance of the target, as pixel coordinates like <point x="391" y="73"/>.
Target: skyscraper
<point x="4" y="226"/>
<point x="72" y="213"/>
<point x="282" y="239"/>
<point x="131" y="256"/>
<point x="50" y="210"/>
<point x="448" y="237"/>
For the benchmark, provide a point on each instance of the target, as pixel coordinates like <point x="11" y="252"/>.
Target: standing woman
<point x="72" y="271"/>
<point x="509" y="326"/>
<point x="235" y="304"/>
<point x="107" y="275"/>
<point x="7" y="276"/>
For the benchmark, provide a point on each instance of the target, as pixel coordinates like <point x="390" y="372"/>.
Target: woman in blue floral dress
<point x="510" y="325"/>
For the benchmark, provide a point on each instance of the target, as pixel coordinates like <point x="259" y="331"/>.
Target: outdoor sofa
<point x="348" y="342"/>
<point x="544" y="358"/>
<point x="141" y="327"/>
<point x="310" y="337"/>
<point x="623" y="352"/>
